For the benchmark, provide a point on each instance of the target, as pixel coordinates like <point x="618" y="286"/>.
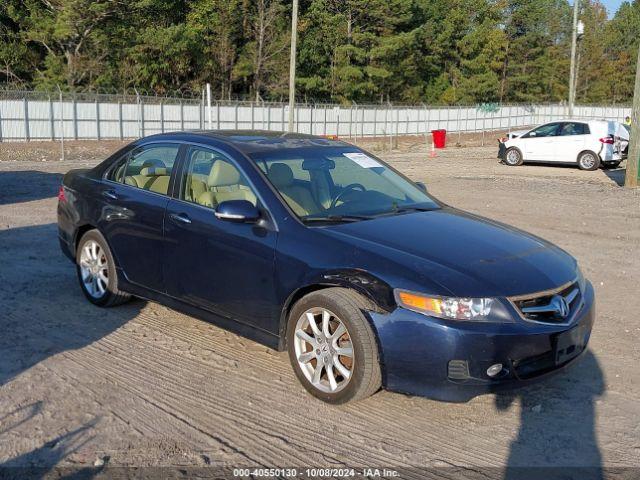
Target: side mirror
<point x="238" y="211"/>
<point x="422" y="186"/>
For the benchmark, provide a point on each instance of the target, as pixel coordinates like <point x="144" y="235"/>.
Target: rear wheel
<point x="332" y="347"/>
<point x="96" y="271"/>
<point x="513" y="157"/>
<point x="588" y="161"/>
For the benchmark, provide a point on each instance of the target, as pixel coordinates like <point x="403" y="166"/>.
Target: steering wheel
<point x="348" y="188"/>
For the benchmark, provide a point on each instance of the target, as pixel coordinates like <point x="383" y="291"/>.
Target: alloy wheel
<point x="513" y="157"/>
<point x="587" y="161"/>
<point x="94" y="269"/>
<point x="324" y="350"/>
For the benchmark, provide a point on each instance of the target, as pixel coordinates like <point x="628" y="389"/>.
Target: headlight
<point x="450" y="308"/>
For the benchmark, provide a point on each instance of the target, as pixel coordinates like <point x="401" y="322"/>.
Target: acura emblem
<point x="560" y="306"/>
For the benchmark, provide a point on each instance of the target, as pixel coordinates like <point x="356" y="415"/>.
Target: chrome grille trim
<point x="569" y="297"/>
<point x="543" y="293"/>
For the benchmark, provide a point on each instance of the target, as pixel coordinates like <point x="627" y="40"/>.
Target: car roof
<point x="588" y="120"/>
<point x="250" y="141"/>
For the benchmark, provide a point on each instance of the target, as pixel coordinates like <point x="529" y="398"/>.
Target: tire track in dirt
<point x="159" y="359"/>
<point x="284" y="364"/>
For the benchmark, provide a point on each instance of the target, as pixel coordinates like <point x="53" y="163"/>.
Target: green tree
<point x="431" y="51"/>
<point x="66" y="30"/>
<point x="622" y="40"/>
<point x="17" y="60"/>
<point x="348" y="47"/>
<point x="264" y="58"/>
<point x="218" y="30"/>
<point x="536" y="60"/>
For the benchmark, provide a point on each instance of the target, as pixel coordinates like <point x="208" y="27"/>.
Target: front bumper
<point x="417" y="351"/>
<point x="502" y="151"/>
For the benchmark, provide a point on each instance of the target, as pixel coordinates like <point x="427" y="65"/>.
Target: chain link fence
<point x="35" y="115"/>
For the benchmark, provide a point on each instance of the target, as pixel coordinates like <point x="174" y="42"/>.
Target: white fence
<point x="28" y="116"/>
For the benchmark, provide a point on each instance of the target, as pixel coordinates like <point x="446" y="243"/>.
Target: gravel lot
<point x="144" y="385"/>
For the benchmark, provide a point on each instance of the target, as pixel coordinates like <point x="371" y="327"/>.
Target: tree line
<point x="412" y="51"/>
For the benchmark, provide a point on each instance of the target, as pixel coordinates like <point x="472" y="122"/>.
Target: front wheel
<point x="513" y="157"/>
<point x="332" y="347"/>
<point x="588" y="161"/>
<point x="97" y="272"/>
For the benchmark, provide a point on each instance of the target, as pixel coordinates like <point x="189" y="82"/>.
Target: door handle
<point x="180" y="217"/>
<point x="110" y="194"/>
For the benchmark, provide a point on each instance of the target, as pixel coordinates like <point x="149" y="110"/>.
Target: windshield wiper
<point x="413" y="209"/>
<point x="405" y="210"/>
<point x="337" y="218"/>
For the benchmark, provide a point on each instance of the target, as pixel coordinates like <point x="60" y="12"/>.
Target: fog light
<point x="494" y="369"/>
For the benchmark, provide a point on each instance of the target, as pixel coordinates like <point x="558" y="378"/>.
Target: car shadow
<point x="557" y="436"/>
<point x="44" y="310"/>
<point x="616" y="175"/>
<point x="28" y="185"/>
<point x="44" y="313"/>
<point x="567" y="165"/>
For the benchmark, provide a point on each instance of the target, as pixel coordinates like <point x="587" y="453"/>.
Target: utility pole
<point x="631" y="177"/>
<point x="292" y="64"/>
<point x="60" y="105"/>
<point x="209" y="120"/>
<point x="574" y="44"/>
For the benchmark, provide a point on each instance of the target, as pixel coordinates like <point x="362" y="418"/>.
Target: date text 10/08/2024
<point x="315" y="473"/>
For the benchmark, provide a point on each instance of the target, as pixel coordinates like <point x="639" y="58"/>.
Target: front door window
<point x="211" y="178"/>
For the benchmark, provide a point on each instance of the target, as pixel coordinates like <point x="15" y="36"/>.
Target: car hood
<point x="462" y="254"/>
<point x="517" y="133"/>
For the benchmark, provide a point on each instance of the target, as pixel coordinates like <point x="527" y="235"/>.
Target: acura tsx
<point x="316" y="247"/>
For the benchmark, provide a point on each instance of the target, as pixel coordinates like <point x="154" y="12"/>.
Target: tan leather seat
<point x="224" y="184"/>
<point x="195" y="188"/>
<point x="299" y="198"/>
<point x="154" y="179"/>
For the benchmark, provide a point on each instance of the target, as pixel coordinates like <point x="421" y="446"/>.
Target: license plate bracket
<point x="568" y="345"/>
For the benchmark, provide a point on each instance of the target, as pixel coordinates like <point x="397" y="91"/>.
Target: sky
<point x="612" y="6"/>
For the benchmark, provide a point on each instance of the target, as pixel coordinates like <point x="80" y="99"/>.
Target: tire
<point x="588" y="160"/>
<point x="96" y="271"/>
<point x="513" y="157"/>
<point x="343" y="307"/>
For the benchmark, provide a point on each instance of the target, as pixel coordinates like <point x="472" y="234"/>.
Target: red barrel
<point x="439" y="138"/>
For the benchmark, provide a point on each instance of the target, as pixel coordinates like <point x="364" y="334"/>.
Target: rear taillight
<point x="61" y="197"/>
<point x="607" y="140"/>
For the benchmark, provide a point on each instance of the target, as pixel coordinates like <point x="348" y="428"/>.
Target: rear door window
<point x="574" y="128"/>
<point x="116" y="171"/>
<point x="149" y="168"/>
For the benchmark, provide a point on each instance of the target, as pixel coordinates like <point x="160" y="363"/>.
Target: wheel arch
<point x="588" y="150"/>
<point x="373" y="289"/>
<point x="80" y="231"/>
<point x="87" y="227"/>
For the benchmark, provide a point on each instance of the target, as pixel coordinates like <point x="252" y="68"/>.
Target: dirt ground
<point x="144" y="385"/>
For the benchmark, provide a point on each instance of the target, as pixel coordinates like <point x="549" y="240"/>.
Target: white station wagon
<point x="589" y="143"/>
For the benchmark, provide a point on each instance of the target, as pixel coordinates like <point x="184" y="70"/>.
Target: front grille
<point x="550" y="307"/>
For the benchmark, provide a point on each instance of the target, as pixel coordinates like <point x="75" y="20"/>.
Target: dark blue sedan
<point x="316" y="247"/>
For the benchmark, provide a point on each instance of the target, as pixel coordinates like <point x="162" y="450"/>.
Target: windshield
<point x="339" y="184"/>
